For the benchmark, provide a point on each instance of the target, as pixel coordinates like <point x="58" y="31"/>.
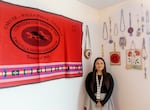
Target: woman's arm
<point x="88" y="88"/>
<point x="110" y="89"/>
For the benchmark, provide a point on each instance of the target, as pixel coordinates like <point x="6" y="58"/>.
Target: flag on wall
<point x="37" y="46"/>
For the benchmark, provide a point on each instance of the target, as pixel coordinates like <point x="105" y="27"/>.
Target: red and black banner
<point x="37" y="46"/>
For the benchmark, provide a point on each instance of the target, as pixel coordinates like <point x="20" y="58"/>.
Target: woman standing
<point x="99" y="86"/>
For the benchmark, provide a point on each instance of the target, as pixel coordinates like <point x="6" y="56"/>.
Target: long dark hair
<point x="94" y="72"/>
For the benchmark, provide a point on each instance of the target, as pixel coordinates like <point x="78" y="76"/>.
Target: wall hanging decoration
<point x="122" y="39"/>
<point x="122" y="42"/>
<point x="37" y="46"/>
<point x="142" y="17"/>
<point x="122" y="21"/>
<point x="110" y="31"/>
<point x="87" y="49"/>
<point x="147" y="23"/>
<point x="115" y="29"/>
<point x="115" y="56"/>
<point x="144" y="56"/>
<point x="133" y="57"/>
<point x="138" y="31"/>
<point x="130" y="29"/>
<point x="102" y="50"/>
<point x="105" y="31"/>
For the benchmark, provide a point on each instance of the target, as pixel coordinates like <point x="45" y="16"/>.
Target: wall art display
<point x="116" y="29"/>
<point x="122" y="21"/>
<point x="87" y="49"/>
<point x="147" y="23"/>
<point x="105" y="31"/>
<point x="102" y="50"/>
<point x="122" y="39"/>
<point x="110" y="31"/>
<point x="122" y="42"/>
<point x="142" y="18"/>
<point x="115" y="57"/>
<point x="138" y="31"/>
<point x="37" y="46"/>
<point x="144" y="56"/>
<point x="133" y="57"/>
<point x="130" y="29"/>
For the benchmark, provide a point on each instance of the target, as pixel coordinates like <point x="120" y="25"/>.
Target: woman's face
<point x="99" y="65"/>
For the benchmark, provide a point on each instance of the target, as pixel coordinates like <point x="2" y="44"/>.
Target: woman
<point x="99" y="86"/>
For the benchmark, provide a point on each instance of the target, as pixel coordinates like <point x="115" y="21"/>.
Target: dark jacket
<point x="107" y="86"/>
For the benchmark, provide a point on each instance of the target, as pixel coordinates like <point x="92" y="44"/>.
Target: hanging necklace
<point x="116" y="30"/>
<point x="130" y="29"/>
<point x="147" y="23"/>
<point x="142" y="18"/>
<point x="138" y="31"/>
<point x="87" y="50"/>
<point x="122" y="40"/>
<point x="110" y="37"/>
<point x="98" y="85"/>
<point x="105" y="31"/>
<point x="122" y="22"/>
<point x="102" y="49"/>
<point x="144" y="56"/>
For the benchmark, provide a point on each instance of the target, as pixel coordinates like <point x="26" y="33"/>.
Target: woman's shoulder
<point x="108" y="75"/>
<point x="89" y="75"/>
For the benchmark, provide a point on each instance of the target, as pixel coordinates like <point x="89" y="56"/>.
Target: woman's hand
<point x="99" y="105"/>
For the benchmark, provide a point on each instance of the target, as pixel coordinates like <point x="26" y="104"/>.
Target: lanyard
<point x="99" y="86"/>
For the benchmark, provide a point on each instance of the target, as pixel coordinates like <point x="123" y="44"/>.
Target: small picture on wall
<point x="133" y="59"/>
<point x="115" y="58"/>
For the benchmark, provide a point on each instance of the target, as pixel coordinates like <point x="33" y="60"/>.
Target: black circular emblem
<point x="34" y="36"/>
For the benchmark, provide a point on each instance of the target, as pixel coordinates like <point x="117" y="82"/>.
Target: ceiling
<point x="99" y="4"/>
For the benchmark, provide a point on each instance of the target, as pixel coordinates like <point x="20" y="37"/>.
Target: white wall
<point x="59" y="94"/>
<point x="132" y="91"/>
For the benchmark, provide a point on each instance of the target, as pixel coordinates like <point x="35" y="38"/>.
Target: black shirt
<point x="106" y="87"/>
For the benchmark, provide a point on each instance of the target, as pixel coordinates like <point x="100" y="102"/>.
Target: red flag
<point x="37" y="46"/>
